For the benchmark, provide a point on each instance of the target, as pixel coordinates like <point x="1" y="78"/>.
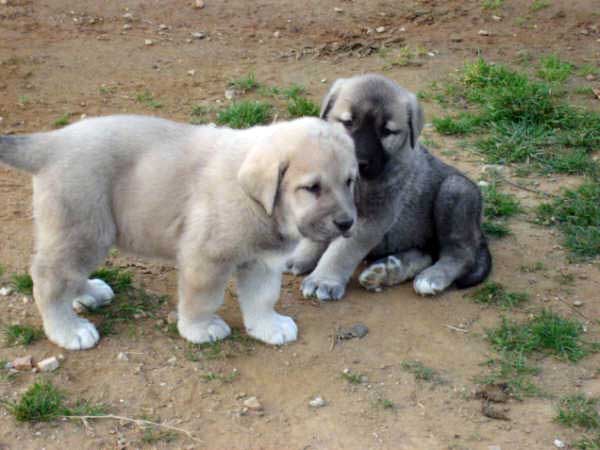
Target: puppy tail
<point x="24" y="152"/>
<point x="481" y="268"/>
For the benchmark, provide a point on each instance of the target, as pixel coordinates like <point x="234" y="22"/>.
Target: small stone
<point x="191" y="72"/>
<point x="25" y="300"/>
<point x="127" y="26"/>
<point x="171" y="361"/>
<point x="122" y="356"/>
<point x="229" y="94"/>
<point x="338" y="10"/>
<point x="590" y="77"/>
<point x="359" y="330"/>
<point x="23" y="363"/>
<point x="317" y="402"/>
<point x="253" y="404"/>
<point x="240" y="396"/>
<point x="483" y="184"/>
<point x="277" y="34"/>
<point x="491" y="168"/>
<point x="5" y="291"/>
<point x="148" y="42"/>
<point x="198" y="35"/>
<point x="61" y="357"/>
<point x="127" y="16"/>
<point x="484" y="33"/>
<point x="577" y="303"/>
<point x="163" y="27"/>
<point x="48" y="364"/>
<point x="496" y="18"/>
<point x="380" y="29"/>
<point x="199" y="4"/>
<point x="558" y="443"/>
<point x="3" y="2"/>
<point x="172" y="317"/>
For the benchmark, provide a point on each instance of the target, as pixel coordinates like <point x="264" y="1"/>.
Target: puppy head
<point x="383" y="119"/>
<point x="303" y="174"/>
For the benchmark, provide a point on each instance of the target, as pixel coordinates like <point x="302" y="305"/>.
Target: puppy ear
<point x="261" y="173"/>
<point x="415" y="119"/>
<point x="330" y="98"/>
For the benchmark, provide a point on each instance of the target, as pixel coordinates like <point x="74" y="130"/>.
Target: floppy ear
<point x="331" y="97"/>
<point x="415" y="119"/>
<point x="261" y="173"/>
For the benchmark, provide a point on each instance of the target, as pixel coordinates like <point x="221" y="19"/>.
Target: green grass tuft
<point x="245" y="84"/>
<point x="495" y="229"/>
<point x="62" y="121"/>
<point x="538" y="5"/>
<point x="553" y="69"/>
<point x="352" y="377"/>
<point x="492" y="4"/>
<point x="492" y="293"/>
<point x="546" y="332"/>
<point x="148" y="99"/>
<point x="578" y="410"/>
<point x="43" y="402"/>
<point x="498" y="204"/>
<point x="22" y="334"/>
<point x="245" y="114"/>
<point x="520" y="120"/>
<point x="513" y="370"/>
<point x="301" y="106"/>
<point x="2" y="270"/>
<point x="118" y="279"/>
<point x="23" y="283"/>
<point x="421" y="371"/>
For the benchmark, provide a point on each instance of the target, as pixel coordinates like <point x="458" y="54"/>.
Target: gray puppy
<point x="418" y="217"/>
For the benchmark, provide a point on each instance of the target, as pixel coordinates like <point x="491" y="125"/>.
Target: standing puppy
<point x="219" y="202"/>
<point x="419" y="217"/>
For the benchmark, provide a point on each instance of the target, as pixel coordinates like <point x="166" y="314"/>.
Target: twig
<point x="138" y="422"/>
<point x="535" y="191"/>
<point x="462" y="330"/>
<point x="334" y="338"/>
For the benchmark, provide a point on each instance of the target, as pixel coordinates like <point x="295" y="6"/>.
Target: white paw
<point x="274" y="329"/>
<point x="203" y="331"/>
<point x="73" y="333"/>
<point x="97" y="294"/>
<point x="323" y="288"/>
<point x="425" y="286"/>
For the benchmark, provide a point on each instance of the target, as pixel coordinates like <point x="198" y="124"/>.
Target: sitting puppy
<point x="219" y="202"/>
<point x="413" y="210"/>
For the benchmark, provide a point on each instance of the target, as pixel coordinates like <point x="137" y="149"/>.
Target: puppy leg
<point x="258" y="290"/>
<point x="305" y="257"/>
<point x="328" y="280"/>
<point x="394" y="269"/>
<point x="457" y="212"/>
<point x="201" y="291"/>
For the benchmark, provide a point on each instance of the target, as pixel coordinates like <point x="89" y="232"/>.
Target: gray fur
<point x="413" y="209"/>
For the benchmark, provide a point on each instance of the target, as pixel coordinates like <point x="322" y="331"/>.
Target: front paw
<point x="199" y="332"/>
<point x="299" y="266"/>
<point x="273" y="329"/>
<point x="430" y="283"/>
<point x="324" y="288"/>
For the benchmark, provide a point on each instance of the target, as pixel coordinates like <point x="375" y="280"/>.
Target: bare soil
<point x="76" y="57"/>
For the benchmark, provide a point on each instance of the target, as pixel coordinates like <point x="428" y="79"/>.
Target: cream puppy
<point x="219" y="202"/>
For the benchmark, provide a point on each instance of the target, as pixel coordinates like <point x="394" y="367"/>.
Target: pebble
<point x="172" y="360"/>
<point x="497" y="18"/>
<point x="317" y="402"/>
<point x="48" y="364"/>
<point x="23" y="363"/>
<point x="127" y="26"/>
<point x="229" y="94"/>
<point x="122" y="356"/>
<point x="199" y="4"/>
<point x="484" y="33"/>
<point x="558" y="443"/>
<point x="277" y="34"/>
<point x="490" y="168"/>
<point x="338" y="10"/>
<point x="191" y="73"/>
<point x="253" y="404"/>
<point x="380" y="29"/>
<point x="172" y="317"/>
<point x="590" y="77"/>
<point x="148" y="42"/>
<point x="577" y="303"/>
<point x="4" y="291"/>
<point x="127" y="16"/>
<point x="198" y="35"/>
<point x="25" y="300"/>
<point x="163" y="27"/>
<point x="483" y="184"/>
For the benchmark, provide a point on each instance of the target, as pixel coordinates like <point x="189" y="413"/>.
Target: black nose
<point x="344" y="225"/>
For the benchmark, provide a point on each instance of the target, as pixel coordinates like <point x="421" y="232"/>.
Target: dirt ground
<point x="86" y="57"/>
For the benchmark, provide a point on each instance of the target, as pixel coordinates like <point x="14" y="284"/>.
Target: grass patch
<point x="513" y="370"/>
<point x="200" y="114"/>
<point x="131" y="302"/>
<point x="531" y="268"/>
<point x="301" y="106"/>
<point x="456" y="126"/>
<point x="23" y="283"/>
<point x="62" y="121"/>
<point x="538" y="5"/>
<point x="588" y="443"/>
<point x="245" y="114"/>
<point x="385" y="403"/>
<point x="151" y="435"/>
<point x="229" y="378"/>
<point x="352" y="377"/>
<point x="148" y="99"/>
<point x="553" y="69"/>
<point x="22" y="334"/>
<point x="495" y="229"/>
<point x="492" y="4"/>
<point x="2" y="270"/>
<point x="498" y="204"/>
<point x="421" y="371"/>
<point x="43" y="402"/>
<point x="546" y="332"/>
<point x="245" y="84"/>
<point x="521" y="120"/>
<point x="492" y="293"/>
<point x="587" y="69"/>
<point x="579" y="411"/>
<point x="235" y="344"/>
<point x="577" y="215"/>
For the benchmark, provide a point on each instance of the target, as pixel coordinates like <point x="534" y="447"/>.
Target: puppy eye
<point x="387" y="132"/>
<point x="346" y="123"/>
<point x="313" y="188"/>
<point x="349" y="182"/>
